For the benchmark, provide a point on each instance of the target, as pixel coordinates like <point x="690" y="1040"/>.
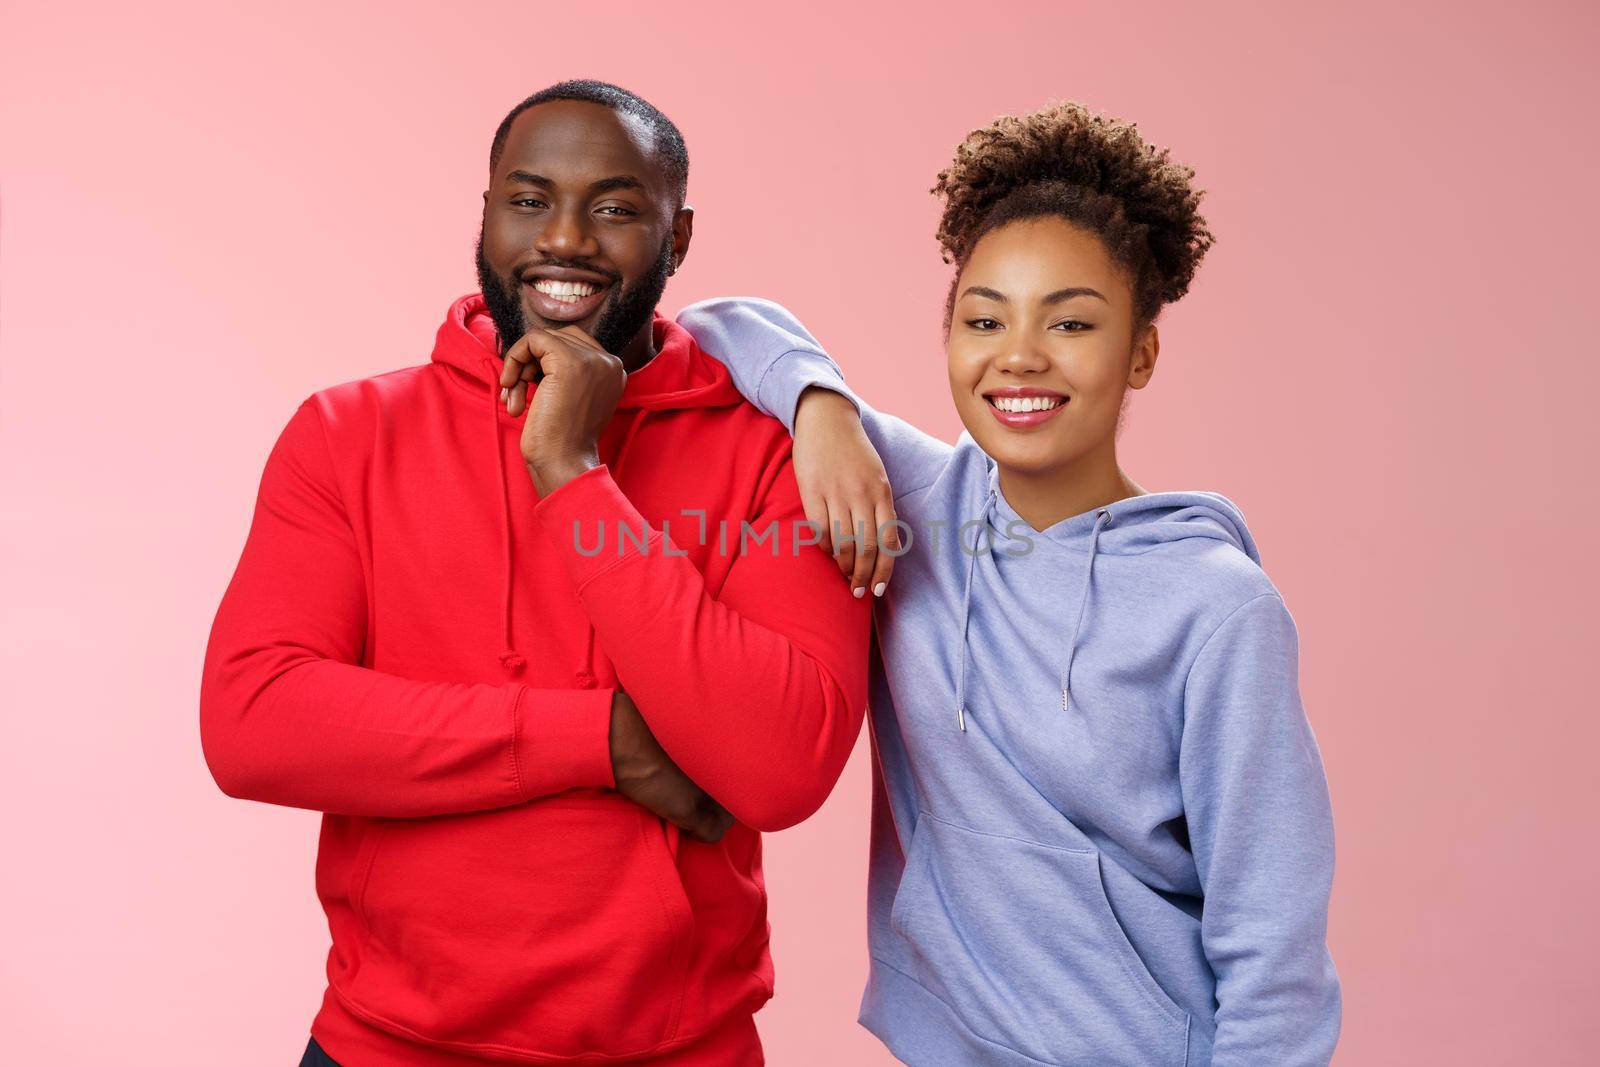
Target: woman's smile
<point x="1022" y="408"/>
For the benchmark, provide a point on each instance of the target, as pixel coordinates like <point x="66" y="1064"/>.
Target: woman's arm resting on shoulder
<point x="851" y="461"/>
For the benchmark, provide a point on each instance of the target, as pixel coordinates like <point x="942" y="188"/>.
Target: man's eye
<point x="615" y="208"/>
<point x="530" y="201"/>
<point x="982" y="324"/>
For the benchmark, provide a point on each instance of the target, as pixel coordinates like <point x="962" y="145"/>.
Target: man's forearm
<point x="335" y="737"/>
<point x="757" y="720"/>
<point x="551" y="474"/>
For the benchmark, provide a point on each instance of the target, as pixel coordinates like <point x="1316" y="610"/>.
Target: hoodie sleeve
<point x="1261" y="827"/>
<point x="288" y="716"/>
<point x="757" y="693"/>
<point x="774" y="359"/>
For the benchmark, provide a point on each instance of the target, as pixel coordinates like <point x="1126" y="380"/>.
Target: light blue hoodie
<point x="1102" y="834"/>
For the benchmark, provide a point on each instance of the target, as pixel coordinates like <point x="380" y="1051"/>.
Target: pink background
<point x="1388" y="361"/>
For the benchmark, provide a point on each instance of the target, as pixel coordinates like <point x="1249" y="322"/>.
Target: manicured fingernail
<point x="878" y="589"/>
<point x="503" y="391"/>
<point x="859" y="591"/>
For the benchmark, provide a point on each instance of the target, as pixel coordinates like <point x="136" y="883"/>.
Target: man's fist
<point x="579" y="386"/>
<point x="648" y="777"/>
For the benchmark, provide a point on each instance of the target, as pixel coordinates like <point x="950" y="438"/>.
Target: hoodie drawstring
<point x="509" y="657"/>
<point x="966" y="604"/>
<point x="1102" y="517"/>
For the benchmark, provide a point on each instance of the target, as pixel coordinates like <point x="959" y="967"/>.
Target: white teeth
<point x="566" y="292"/>
<point x="1026" y="403"/>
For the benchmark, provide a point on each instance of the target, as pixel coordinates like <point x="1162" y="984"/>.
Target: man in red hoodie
<point x="508" y="689"/>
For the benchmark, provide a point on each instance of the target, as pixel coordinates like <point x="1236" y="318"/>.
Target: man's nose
<point x="567" y="236"/>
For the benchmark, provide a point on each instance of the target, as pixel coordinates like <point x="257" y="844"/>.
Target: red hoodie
<point x="418" y="645"/>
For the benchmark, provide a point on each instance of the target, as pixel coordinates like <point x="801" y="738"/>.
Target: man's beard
<point x="624" y="314"/>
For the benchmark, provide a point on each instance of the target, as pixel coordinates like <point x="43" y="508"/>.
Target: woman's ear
<point x="1143" y="364"/>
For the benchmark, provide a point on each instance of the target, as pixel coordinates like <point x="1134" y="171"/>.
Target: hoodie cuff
<point x="562" y="740"/>
<point x="791" y="374"/>
<point x="593" y="527"/>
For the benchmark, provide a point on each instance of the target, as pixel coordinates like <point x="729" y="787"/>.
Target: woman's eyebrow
<point x="1067" y="294"/>
<point x="1056" y="297"/>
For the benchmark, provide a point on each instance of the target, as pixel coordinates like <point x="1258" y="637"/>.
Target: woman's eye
<point x="1073" y="325"/>
<point x="982" y="324"/>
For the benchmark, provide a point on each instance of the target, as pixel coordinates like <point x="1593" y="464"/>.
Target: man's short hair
<point x="669" y="146"/>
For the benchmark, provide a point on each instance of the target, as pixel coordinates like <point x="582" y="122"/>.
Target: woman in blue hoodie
<point x="1102" y="832"/>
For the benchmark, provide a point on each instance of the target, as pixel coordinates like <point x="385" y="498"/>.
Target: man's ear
<point x="682" y="232"/>
<point x="1143" y="364"/>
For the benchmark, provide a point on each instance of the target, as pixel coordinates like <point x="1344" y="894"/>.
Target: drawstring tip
<point x="512" y="660"/>
<point x="1064" y="699"/>
<point x="961" y="717"/>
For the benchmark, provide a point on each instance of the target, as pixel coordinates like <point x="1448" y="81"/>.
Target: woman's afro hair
<point x="1093" y="171"/>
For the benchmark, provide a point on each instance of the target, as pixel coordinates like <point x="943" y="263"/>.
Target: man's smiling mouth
<point x="572" y="298"/>
<point x="566" y="292"/>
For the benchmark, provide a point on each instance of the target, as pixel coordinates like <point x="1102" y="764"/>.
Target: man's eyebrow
<point x="1067" y="294"/>
<point x="604" y="185"/>
<point x="620" y="181"/>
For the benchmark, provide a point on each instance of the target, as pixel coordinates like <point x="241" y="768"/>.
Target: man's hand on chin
<point x="579" y="386"/>
<point x="647" y="776"/>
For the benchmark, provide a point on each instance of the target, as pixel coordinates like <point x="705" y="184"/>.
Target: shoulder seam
<point x="327" y="452"/>
<point x="1274" y="595"/>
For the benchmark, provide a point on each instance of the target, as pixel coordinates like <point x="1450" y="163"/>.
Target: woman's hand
<point x="843" y="484"/>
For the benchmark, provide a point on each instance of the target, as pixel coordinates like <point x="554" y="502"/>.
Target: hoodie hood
<point x="1126" y="527"/>
<point x="679" y="376"/>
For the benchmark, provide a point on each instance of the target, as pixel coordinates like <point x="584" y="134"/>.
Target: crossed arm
<point x="756" y="694"/>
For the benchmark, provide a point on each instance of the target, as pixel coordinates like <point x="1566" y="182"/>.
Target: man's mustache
<point x="612" y="276"/>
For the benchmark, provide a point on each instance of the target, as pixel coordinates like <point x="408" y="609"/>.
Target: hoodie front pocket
<point x="555" y="928"/>
<point x="1019" y="940"/>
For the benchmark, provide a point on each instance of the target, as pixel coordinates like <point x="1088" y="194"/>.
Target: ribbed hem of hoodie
<point x="562" y="740"/>
<point x="354" y="1042"/>
<point x="922" y="1030"/>
<point x="593" y="526"/>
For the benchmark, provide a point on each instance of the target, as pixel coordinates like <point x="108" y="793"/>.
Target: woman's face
<point x="1041" y="345"/>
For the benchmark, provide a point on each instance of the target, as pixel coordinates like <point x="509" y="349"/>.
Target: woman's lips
<point x="553" y="308"/>
<point x="1024" y="419"/>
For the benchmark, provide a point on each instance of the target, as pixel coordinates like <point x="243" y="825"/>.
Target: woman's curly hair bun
<point x="1094" y="171"/>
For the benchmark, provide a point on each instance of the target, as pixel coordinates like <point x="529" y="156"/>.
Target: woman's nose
<point x="1024" y="356"/>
